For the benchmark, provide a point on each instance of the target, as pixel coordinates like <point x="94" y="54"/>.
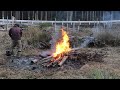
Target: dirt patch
<point x="24" y="62"/>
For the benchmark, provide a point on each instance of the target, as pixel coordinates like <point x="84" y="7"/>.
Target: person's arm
<point x="10" y="33"/>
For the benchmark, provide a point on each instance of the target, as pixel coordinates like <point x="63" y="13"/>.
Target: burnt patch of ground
<point x="76" y="62"/>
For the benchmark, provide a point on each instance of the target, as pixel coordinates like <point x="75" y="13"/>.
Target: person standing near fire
<point x="15" y="34"/>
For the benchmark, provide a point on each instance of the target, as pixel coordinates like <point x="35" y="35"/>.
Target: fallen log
<point x="44" y="60"/>
<point x="63" y="60"/>
<point x="57" y="61"/>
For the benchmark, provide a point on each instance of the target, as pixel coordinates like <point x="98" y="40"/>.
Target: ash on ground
<point x="25" y="63"/>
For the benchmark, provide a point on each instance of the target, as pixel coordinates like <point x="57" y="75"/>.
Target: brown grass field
<point x="109" y="69"/>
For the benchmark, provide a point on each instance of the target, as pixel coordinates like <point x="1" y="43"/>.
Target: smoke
<point x="55" y="36"/>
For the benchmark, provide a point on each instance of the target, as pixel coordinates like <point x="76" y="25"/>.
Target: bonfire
<point x="62" y="46"/>
<point x="63" y="52"/>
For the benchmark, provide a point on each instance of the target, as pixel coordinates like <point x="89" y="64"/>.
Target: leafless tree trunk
<point x="37" y="15"/>
<point x="51" y="15"/>
<point x="82" y="15"/>
<point x="22" y="15"/>
<point x="28" y="15"/>
<point x="45" y="15"/>
<point x="11" y="14"/>
<point x="93" y="16"/>
<point x="71" y="15"/>
<point x="41" y="14"/>
<point x="33" y="15"/>
<point x="67" y="15"/>
<point x="87" y="15"/>
<point x="2" y="14"/>
<point x="75" y="14"/>
<point x="16" y="14"/>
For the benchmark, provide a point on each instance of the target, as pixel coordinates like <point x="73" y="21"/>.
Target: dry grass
<point x="33" y="36"/>
<point x="109" y="69"/>
<point x="30" y="41"/>
<point x="108" y="36"/>
<point x="92" y="70"/>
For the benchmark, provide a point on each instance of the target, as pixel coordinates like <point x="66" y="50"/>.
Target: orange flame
<point x="62" y="45"/>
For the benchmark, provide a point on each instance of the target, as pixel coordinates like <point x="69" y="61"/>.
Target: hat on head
<point x="16" y="25"/>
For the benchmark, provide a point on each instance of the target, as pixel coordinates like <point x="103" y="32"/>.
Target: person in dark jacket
<point x="16" y="33"/>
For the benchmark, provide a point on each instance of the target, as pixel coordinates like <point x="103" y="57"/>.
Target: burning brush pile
<point x="63" y="53"/>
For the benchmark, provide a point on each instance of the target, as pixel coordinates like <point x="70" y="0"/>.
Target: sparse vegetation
<point x="31" y="39"/>
<point x="102" y="74"/>
<point x="44" y="25"/>
<point x="33" y="36"/>
<point x="108" y="37"/>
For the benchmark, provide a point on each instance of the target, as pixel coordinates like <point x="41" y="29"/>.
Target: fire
<point x="62" y="46"/>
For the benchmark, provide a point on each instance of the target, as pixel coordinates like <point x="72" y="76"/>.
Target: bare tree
<point x="33" y="15"/>
<point x="45" y="15"/>
<point x="28" y="15"/>
<point x="16" y="14"/>
<point x="67" y="15"/>
<point x="22" y="15"/>
<point x="41" y="15"/>
<point x="2" y="14"/>
<point x="71" y="15"/>
<point x="37" y="15"/>
<point x="11" y="14"/>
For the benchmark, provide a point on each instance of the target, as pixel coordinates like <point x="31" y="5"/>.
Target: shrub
<point x="33" y="36"/>
<point x="110" y="38"/>
<point x="44" y="25"/>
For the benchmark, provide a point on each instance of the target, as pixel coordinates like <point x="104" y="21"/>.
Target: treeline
<point x="53" y="15"/>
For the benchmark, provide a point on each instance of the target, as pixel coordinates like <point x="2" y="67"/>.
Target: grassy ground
<point x="109" y="69"/>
